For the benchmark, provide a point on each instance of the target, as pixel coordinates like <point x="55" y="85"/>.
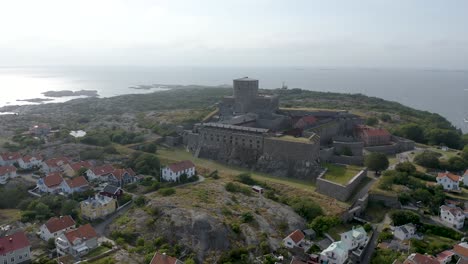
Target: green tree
<point x="449" y="138"/>
<point x="322" y="224"/>
<point x="376" y="161"/>
<point x="372" y="121"/>
<point x="457" y="164"/>
<point x="412" y="131"/>
<point x="404" y="217"/>
<point x="428" y="159"/>
<point x="406" y="166"/>
<point x="385" y="117"/>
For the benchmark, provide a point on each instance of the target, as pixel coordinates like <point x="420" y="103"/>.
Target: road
<point x="373" y="241"/>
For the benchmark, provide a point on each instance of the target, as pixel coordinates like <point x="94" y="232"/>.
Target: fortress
<point x="250" y="130"/>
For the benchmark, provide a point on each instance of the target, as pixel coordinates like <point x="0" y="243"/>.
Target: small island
<point x="35" y="100"/>
<point x="65" y="93"/>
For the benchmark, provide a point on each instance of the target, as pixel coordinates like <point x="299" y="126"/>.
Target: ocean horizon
<point x="439" y="91"/>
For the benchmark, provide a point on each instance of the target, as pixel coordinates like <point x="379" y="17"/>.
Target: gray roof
<point x="239" y="128"/>
<point x="245" y="79"/>
<point x="111" y="189"/>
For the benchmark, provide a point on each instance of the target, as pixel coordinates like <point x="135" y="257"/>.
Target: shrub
<point x="247" y="217"/>
<point x="404" y="217"/>
<point x="321" y="224"/>
<point x="140" y="201"/>
<point x="428" y="159"/>
<point x="306" y="208"/>
<point x="246" y="178"/>
<point x="167" y="191"/>
<point x="235" y="188"/>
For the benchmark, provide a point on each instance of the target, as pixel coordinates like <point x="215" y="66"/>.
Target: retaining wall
<point x="339" y="191"/>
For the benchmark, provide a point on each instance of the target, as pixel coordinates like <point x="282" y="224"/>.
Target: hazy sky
<point x="327" y="33"/>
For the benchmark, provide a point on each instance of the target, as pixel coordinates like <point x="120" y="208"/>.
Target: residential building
<point x="100" y="173"/>
<point x="72" y="169"/>
<point x="54" y="165"/>
<point x="445" y="257"/>
<point x="452" y="216"/>
<point x="405" y="232"/>
<point x="296" y="260"/>
<point x="39" y="130"/>
<point x="76" y="184"/>
<point x="336" y="253"/>
<point x="461" y="250"/>
<point x="98" y="206"/>
<point x="417" y="258"/>
<point x="175" y="170"/>
<point x="55" y="226"/>
<point x="294" y="239"/>
<point x="29" y="162"/>
<point x="373" y="136"/>
<point x="52" y="183"/>
<point x="112" y="191"/>
<point x="9" y="158"/>
<point x="121" y="177"/>
<point x="15" y="248"/>
<point x="7" y="172"/>
<point x="354" y="238"/>
<point x="465" y="178"/>
<point x="77" y="242"/>
<point x="449" y="181"/>
<point x="162" y="258"/>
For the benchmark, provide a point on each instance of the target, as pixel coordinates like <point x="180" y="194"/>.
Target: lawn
<point x="97" y="251"/>
<point x="341" y="174"/>
<point x="8" y="216"/>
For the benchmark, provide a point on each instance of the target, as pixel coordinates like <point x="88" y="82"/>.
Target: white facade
<point x="17" y="256"/>
<point x="449" y="181"/>
<point x="170" y="175"/>
<point x="336" y="253"/>
<point x="404" y="232"/>
<point x="452" y="216"/>
<point x="295" y="239"/>
<point x="77" y="248"/>
<point x="354" y="238"/>
<point x="6" y="175"/>
<point x="45" y="234"/>
<point x="28" y="164"/>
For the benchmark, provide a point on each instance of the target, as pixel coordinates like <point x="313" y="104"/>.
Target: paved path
<point x="373" y="241"/>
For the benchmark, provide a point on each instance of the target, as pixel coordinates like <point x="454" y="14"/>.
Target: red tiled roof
<point x="56" y="161"/>
<point x="461" y="249"/>
<point x="76" y="182"/>
<point x="442" y="256"/>
<point x="81" y="164"/>
<point x="296" y="236"/>
<point x="296" y="261"/>
<point x="420" y="259"/>
<point x="376" y="132"/>
<point x="118" y="173"/>
<point x="103" y="170"/>
<point x="28" y="158"/>
<point x="13" y="242"/>
<point x="159" y="258"/>
<point x="53" y="179"/>
<point x="8" y="156"/>
<point x="449" y="175"/>
<point x="305" y="120"/>
<point x="55" y="224"/>
<point x="84" y="232"/>
<point x="453" y="210"/>
<point x="7" y="169"/>
<point x="182" y="165"/>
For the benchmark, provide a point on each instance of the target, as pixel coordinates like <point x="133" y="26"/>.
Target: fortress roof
<point x="245" y="79"/>
<point x="239" y="128"/>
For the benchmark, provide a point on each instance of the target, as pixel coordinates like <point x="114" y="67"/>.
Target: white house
<point x="9" y="158"/>
<point x="52" y="183"/>
<point x="28" y="162"/>
<point x="354" y="238"/>
<point x="449" y="181"/>
<point x="77" y="242"/>
<point x="56" y="226"/>
<point x="405" y="232"/>
<point x="7" y="172"/>
<point x="77" y="184"/>
<point x="100" y="173"/>
<point x="452" y="216"/>
<point x="175" y="170"/>
<point x="294" y="239"/>
<point x="336" y="253"/>
<point x="15" y="248"/>
<point x="54" y="165"/>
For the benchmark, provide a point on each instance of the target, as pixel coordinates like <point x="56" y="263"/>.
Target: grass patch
<point x="97" y="251"/>
<point x="9" y="215"/>
<point x="340" y="174"/>
<point x="292" y="139"/>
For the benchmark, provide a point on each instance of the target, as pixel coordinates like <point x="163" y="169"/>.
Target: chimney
<point x="164" y="255"/>
<point x="11" y="239"/>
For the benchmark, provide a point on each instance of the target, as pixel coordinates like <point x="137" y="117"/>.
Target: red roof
<point x="297" y="236"/>
<point x="76" y="182"/>
<point x="305" y="120"/>
<point x="28" y="158"/>
<point x="449" y="175"/>
<point x="9" y="156"/>
<point x="442" y="256"/>
<point x="461" y="249"/>
<point x="159" y="258"/>
<point x="182" y="165"/>
<point x="453" y="210"/>
<point x="57" y="162"/>
<point x="13" y="242"/>
<point x="7" y="169"/>
<point x="420" y="259"/>
<point x="376" y="132"/>
<point x="119" y="173"/>
<point x="84" y="232"/>
<point x="53" y="179"/>
<point x="81" y="164"/>
<point x="55" y="224"/>
<point x="297" y="261"/>
<point x="103" y="170"/>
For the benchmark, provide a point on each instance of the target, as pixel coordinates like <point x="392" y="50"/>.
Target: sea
<point x="441" y="91"/>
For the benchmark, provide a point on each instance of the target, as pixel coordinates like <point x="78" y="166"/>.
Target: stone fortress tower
<point x="245" y="92"/>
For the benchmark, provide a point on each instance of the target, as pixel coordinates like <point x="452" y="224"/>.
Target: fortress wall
<point x="350" y="160"/>
<point x="338" y="191"/>
<point x="403" y="144"/>
<point x="326" y="154"/>
<point x="290" y="150"/>
<point x="385" y="149"/>
<point x="326" y="131"/>
<point x="191" y="139"/>
<point x="215" y="137"/>
<point x="356" y="147"/>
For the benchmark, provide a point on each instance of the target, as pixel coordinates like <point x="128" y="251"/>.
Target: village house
<point x="72" y="169"/>
<point x="445" y="257"/>
<point x="112" y="191"/>
<point x="417" y="258"/>
<point x="97" y="207"/>
<point x="54" y="165"/>
<point x="163" y="258"/>
<point x="461" y="250"/>
<point x="28" y="162"/>
<point x="354" y="238"/>
<point x="173" y="172"/>
<point x="121" y="177"/>
<point x="336" y="253"/>
<point x="76" y="184"/>
<point x="39" y="130"/>
<point x="15" y="248"/>
<point x="55" y="226"/>
<point x="52" y="183"/>
<point x="373" y="136"/>
<point x="295" y="239"/>
<point x="9" y="158"/>
<point x="7" y="172"/>
<point x="77" y="242"/>
<point x="449" y="181"/>
<point x="465" y="178"/>
<point x="100" y="173"/>
<point x="405" y="232"/>
<point x="452" y="216"/>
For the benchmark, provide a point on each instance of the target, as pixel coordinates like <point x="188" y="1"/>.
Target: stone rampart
<point x="339" y="191"/>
